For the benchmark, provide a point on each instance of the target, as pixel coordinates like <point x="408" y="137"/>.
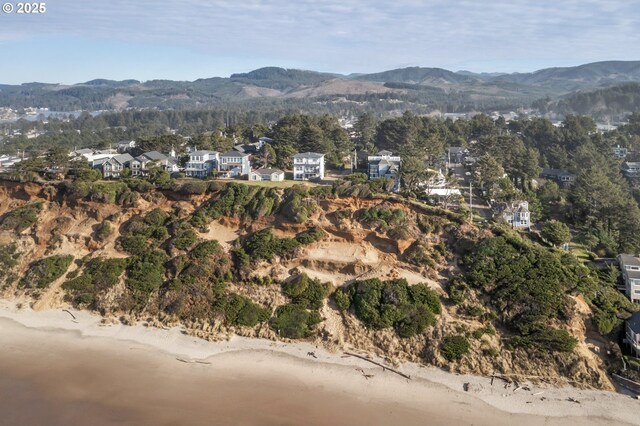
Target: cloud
<point x="353" y="35"/>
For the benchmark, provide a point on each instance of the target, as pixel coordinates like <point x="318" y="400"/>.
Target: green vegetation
<point x="528" y="287"/>
<point x="21" y="218"/>
<point x="99" y="276"/>
<point x="382" y="217"/>
<point x="306" y="292"/>
<point x="263" y="245"/>
<point x="555" y="232"/>
<point x="9" y="257"/>
<point x="145" y="274"/>
<point x="454" y="347"/>
<point x="294" y="321"/>
<point x="43" y="272"/>
<point x="103" y="230"/>
<point x="382" y="304"/>
<point x="241" y="311"/>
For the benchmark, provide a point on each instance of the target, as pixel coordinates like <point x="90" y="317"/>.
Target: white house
<point x="112" y="167"/>
<point x="630" y="267"/>
<point x="631" y="168"/>
<point x="515" y="214"/>
<point x="275" y="175"/>
<point x="234" y="164"/>
<point x="141" y="164"/>
<point x="202" y="163"/>
<point x="125" y="146"/>
<point x="632" y="333"/>
<point x="385" y="164"/>
<point x="308" y="166"/>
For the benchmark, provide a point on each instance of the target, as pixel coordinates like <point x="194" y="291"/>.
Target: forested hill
<point x="418" y="89"/>
<point x="602" y="103"/>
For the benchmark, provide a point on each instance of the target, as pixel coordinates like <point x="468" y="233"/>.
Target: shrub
<point x="311" y="235"/>
<point x="103" y="230"/>
<point x="21" y="218"/>
<point x="239" y="310"/>
<point x="145" y="274"/>
<point x="294" y="321"/>
<point x="185" y="239"/>
<point x="134" y="244"/>
<point x="342" y="299"/>
<point x="306" y="292"/>
<point x="194" y="187"/>
<point x="99" y="275"/>
<point x="454" y="347"/>
<point x="409" y="309"/>
<point x="45" y="271"/>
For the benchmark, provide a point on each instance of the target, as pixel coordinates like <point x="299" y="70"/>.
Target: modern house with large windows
<point x="273" y="175"/>
<point x="112" y="167"/>
<point x="308" y="166"/>
<point x="202" y="163"/>
<point x="516" y="214"/>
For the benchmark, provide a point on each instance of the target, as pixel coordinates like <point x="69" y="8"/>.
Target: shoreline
<point x="288" y="365"/>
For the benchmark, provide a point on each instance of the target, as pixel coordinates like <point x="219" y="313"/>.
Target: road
<point x="480" y="207"/>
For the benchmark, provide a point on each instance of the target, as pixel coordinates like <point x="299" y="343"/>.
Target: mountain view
<point x="591" y="89"/>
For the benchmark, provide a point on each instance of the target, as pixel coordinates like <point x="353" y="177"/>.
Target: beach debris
<point x="365" y="375"/>
<point x="384" y="367"/>
<point x="466" y="386"/>
<point x="538" y="393"/>
<point x="313" y="354"/>
<point x="571" y="399"/>
<point x="69" y="312"/>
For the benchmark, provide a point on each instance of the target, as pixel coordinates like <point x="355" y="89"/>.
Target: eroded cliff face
<point x="350" y="250"/>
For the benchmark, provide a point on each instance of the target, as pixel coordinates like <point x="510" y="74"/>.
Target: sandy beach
<point x="56" y="370"/>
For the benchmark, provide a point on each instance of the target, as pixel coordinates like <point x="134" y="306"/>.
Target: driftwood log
<point x="384" y="367"/>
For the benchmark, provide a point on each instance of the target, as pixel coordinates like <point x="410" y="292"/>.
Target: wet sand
<point x="61" y="377"/>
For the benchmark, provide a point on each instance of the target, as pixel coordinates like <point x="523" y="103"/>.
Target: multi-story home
<point x="630" y="267"/>
<point x="631" y="169"/>
<point x="234" y="164"/>
<point x="202" y="163"/>
<point x="632" y="333"/>
<point x="112" y="167"/>
<point x="141" y="164"/>
<point x="308" y="166"/>
<point x="275" y="175"/>
<point x="385" y="164"/>
<point x="515" y="214"/>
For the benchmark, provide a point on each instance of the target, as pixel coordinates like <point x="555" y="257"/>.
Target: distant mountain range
<point x="272" y="87"/>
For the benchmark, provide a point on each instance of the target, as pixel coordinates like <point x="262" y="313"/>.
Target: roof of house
<point x="384" y="152"/>
<point x="267" y="171"/>
<point x="234" y="154"/>
<point x="628" y="259"/>
<point x="515" y="207"/>
<point x="630" y="165"/>
<point x="155" y="156"/>
<point x="83" y="151"/>
<point x="384" y="162"/>
<point x="123" y="158"/>
<point x="634" y="322"/>
<point x="457" y="150"/>
<point x="203" y="152"/>
<point x="308" y="155"/>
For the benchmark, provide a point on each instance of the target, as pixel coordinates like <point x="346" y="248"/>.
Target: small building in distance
<point x="308" y="166"/>
<point x="516" y="214"/>
<point x="274" y="175"/>
<point x="619" y="152"/>
<point x="234" y="164"/>
<point x="562" y="177"/>
<point x="202" y="163"/>
<point x="385" y="164"/>
<point x="630" y="268"/>
<point x="126" y="146"/>
<point x="632" y="333"/>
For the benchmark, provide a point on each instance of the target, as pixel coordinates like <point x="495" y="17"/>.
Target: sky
<point x="77" y="41"/>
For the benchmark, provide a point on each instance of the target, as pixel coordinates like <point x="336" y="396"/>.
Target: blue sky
<point x="81" y="40"/>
